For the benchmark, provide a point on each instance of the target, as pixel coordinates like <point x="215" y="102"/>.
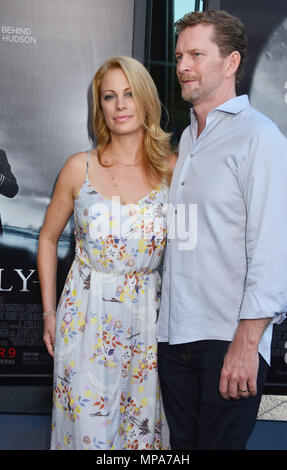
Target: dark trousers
<point x="198" y="417"/>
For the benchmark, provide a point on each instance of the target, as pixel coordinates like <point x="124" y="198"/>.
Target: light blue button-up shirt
<point x="226" y="258"/>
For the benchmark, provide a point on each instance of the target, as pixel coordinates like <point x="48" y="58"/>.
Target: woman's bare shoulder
<point x="76" y="161"/>
<point x="73" y="172"/>
<point x="75" y="166"/>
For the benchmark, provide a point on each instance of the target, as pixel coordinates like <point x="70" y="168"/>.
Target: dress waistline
<point x="113" y="275"/>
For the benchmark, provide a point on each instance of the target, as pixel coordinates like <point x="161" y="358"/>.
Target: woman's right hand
<point x="50" y="332"/>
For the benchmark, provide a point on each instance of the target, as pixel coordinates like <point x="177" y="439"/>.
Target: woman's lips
<point x="122" y="118"/>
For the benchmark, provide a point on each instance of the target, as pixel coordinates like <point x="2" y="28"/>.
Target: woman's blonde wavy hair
<point x="157" y="148"/>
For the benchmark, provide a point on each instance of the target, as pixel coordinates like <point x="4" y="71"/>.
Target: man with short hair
<point x="221" y="298"/>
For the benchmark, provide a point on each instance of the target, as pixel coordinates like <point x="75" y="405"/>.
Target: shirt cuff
<point x="251" y="308"/>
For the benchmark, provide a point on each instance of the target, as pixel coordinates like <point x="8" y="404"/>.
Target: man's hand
<point x="238" y="377"/>
<point x="239" y="373"/>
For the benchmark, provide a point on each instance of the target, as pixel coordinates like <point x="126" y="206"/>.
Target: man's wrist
<point x="249" y="333"/>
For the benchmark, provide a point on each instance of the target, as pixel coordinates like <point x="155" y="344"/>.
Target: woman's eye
<point x="108" y="97"/>
<point x="129" y="94"/>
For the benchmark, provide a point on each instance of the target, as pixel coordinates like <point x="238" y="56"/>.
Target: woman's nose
<point x="121" y="102"/>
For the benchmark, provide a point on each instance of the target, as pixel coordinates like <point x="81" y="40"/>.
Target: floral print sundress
<point x="106" y="391"/>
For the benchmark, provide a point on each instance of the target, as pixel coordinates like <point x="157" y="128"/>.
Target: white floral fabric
<point x="106" y="391"/>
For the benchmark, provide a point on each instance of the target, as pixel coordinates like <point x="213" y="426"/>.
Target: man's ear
<point x="232" y="63"/>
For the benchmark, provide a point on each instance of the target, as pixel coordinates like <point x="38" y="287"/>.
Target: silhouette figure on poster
<point x="8" y="182"/>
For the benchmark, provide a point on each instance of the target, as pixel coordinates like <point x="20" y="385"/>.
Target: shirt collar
<point x="235" y="105"/>
<point x="232" y="106"/>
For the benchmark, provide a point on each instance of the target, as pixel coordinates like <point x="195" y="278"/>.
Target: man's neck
<point x="201" y="110"/>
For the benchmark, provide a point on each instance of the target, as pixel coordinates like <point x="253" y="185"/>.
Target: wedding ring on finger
<point x="243" y="391"/>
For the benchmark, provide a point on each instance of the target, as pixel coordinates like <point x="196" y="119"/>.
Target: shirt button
<point x="182" y="183"/>
<point x="191" y="155"/>
<point x="175" y="211"/>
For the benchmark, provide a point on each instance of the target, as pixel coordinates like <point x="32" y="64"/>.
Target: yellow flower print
<point x="141" y="389"/>
<point x="142" y="245"/>
<point x="81" y="322"/>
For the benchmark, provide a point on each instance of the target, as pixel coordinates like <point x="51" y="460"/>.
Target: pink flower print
<point x="86" y="440"/>
<point x="68" y="318"/>
<point x="131" y="262"/>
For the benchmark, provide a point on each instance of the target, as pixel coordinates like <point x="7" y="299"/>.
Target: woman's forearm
<point x="47" y="272"/>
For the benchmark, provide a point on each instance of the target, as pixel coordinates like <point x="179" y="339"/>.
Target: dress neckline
<point x="155" y="190"/>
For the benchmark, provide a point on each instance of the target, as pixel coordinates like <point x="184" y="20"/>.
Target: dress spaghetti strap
<point x="87" y="164"/>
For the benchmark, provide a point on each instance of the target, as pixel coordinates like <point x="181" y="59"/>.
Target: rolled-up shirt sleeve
<point x="263" y="182"/>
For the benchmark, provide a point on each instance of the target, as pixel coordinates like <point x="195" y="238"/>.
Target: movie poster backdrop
<point x="49" y="52"/>
<point x="265" y="80"/>
<point x="268" y="94"/>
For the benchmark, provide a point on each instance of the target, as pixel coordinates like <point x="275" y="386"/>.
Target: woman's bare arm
<point x="58" y="213"/>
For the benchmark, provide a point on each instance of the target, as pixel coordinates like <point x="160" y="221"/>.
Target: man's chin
<point x="191" y="97"/>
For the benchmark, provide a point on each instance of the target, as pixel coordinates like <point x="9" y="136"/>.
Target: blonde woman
<point x="106" y="392"/>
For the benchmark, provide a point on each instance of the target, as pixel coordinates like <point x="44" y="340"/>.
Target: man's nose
<point x="184" y="64"/>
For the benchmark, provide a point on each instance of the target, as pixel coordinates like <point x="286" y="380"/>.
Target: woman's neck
<point x="127" y="149"/>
